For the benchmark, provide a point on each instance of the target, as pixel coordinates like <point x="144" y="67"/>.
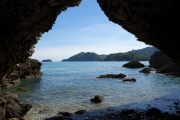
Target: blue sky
<point x="84" y="29"/>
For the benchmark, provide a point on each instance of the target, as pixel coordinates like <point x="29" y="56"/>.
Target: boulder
<point x="97" y="99"/>
<point x="147" y="70"/>
<point x="10" y="106"/>
<point x="133" y="64"/>
<point x="112" y="76"/>
<point x="129" y="79"/>
<point x="27" y="70"/>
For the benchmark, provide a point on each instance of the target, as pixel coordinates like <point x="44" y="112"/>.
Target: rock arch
<point x="22" y="22"/>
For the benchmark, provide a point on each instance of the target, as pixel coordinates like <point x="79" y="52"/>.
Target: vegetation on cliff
<point x="139" y="55"/>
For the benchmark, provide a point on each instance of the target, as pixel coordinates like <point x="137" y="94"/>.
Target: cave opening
<point x="68" y="87"/>
<point x="84" y="29"/>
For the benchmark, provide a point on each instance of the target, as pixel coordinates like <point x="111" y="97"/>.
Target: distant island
<point x="47" y="60"/>
<point x="140" y="55"/>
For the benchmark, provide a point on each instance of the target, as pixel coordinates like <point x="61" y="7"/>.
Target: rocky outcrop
<point x="129" y="79"/>
<point x="155" y="22"/>
<point x="97" y="99"/>
<point x="124" y="77"/>
<point x="164" y="64"/>
<point x="158" y="60"/>
<point x="147" y="70"/>
<point x="133" y="64"/>
<point x="22" y="23"/>
<point x="10" y="107"/>
<point x="120" y="75"/>
<point x="27" y="70"/>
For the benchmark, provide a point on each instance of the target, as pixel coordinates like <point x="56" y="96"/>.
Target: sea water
<point x="69" y="86"/>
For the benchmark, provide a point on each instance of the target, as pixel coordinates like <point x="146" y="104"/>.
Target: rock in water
<point x="133" y="64"/>
<point x="97" y="99"/>
<point x="65" y="113"/>
<point x="129" y="79"/>
<point x="147" y="70"/>
<point x="80" y="112"/>
<point x="10" y="107"/>
<point x="112" y="76"/>
<point x="28" y="70"/>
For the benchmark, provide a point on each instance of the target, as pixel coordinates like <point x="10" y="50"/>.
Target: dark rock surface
<point x="97" y="99"/>
<point x="155" y="22"/>
<point x="112" y="76"/>
<point x="133" y="64"/>
<point x="164" y="64"/>
<point x="132" y="114"/>
<point x="125" y="114"/>
<point x="129" y="79"/>
<point x="27" y="70"/>
<point x="10" y="107"/>
<point x="147" y="70"/>
<point x="80" y="112"/>
<point x="65" y="113"/>
<point x="158" y="60"/>
<point x="22" y="23"/>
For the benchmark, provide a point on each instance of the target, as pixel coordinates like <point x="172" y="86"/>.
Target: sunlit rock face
<point x="155" y="22"/>
<point x="22" y="23"/>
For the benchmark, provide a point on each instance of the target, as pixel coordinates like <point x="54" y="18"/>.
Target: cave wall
<point x="154" y="22"/>
<point x="22" y="23"/>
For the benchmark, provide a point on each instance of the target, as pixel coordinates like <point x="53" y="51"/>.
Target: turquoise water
<point x="68" y="86"/>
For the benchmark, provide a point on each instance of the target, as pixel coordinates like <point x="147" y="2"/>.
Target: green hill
<point x="140" y="55"/>
<point x="89" y="56"/>
<point x="129" y="56"/>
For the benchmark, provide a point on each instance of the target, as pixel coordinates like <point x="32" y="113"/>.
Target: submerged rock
<point x="147" y="70"/>
<point x="59" y="117"/>
<point x="43" y="111"/>
<point x="97" y="99"/>
<point x="65" y="113"/>
<point x="112" y="76"/>
<point x="133" y="64"/>
<point x="28" y="70"/>
<point x="129" y="79"/>
<point x="10" y="106"/>
<point x="80" y="112"/>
